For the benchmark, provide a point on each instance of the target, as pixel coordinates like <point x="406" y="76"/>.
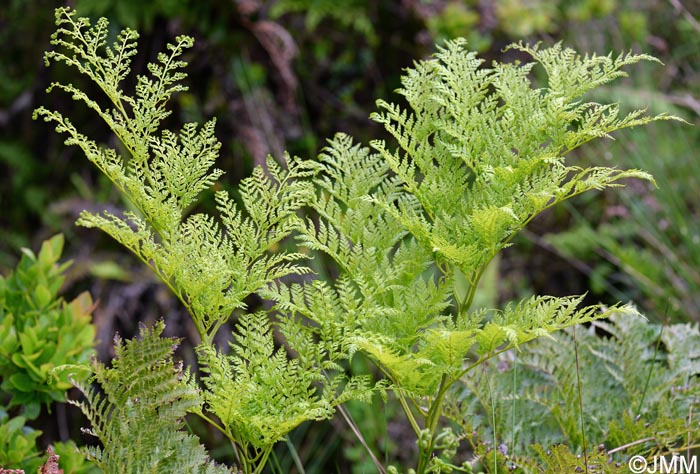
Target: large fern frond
<point x="482" y="150"/>
<point x="212" y="267"/>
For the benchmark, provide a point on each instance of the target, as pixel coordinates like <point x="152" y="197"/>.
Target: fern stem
<point x="209" y="334"/>
<point x="404" y="404"/>
<point x="473" y="284"/>
<point x="204" y="336"/>
<point x="431" y="423"/>
<point x="483" y="359"/>
<point x="261" y="459"/>
<point x="580" y="401"/>
<point x="629" y="445"/>
<point x="407" y="411"/>
<point x="512" y="417"/>
<point x="214" y="424"/>
<point x="435" y="411"/>
<point x="242" y="461"/>
<point x="493" y="422"/>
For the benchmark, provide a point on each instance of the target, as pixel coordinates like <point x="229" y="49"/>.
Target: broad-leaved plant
<point x="39" y="330"/>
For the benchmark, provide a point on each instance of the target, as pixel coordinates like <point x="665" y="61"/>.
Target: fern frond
<point x="210" y="268"/>
<point x="238" y="386"/>
<point x="572" y="75"/>
<point x="630" y="372"/>
<point x="137" y="410"/>
<point x="482" y="150"/>
<point x="479" y="153"/>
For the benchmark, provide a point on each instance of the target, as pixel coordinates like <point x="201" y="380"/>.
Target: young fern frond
<point x="210" y="267"/>
<point x="239" y="386"/>
<point x="138" y="410"/>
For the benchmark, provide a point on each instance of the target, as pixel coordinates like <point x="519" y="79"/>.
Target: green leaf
<point x="22" y="382"/>
<point x="108" y="270"/>
<point x="42" y="297"/>
<point x="39" y="330"/>
<point x="51" y="251"/>
<point x="142" y="401"/>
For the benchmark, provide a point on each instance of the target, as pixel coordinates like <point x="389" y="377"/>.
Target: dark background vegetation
<point x="286" y="74"/>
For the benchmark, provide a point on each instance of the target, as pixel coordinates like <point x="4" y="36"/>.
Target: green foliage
<point x="18" y="449"/>
<point x="559" y="458"/>
<point x="211" y="268"/>
<point x="521" y="19"/>
<point x="259" y="394"/>
<point x="72" y="460"/>
<point x="525" y="19"/>
<point x="481" y="153"/>
<point x="131" y="12"/>
<point x="638" y="384"/>
<point x="504" y="147"/>
<point x="458" y="19"/>
<point x="137" y="410"/>
<point x="649" y="247"/>
<point x="18" y="443"/>
<point x="351" y="14"/>
<point x="412" y="230"/>
<point x="39" y="330"/>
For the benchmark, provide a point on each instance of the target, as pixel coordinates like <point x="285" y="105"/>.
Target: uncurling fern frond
<point x="211" y="266"/>
<point x="137" y="410"/>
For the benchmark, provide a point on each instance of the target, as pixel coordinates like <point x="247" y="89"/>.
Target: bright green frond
<point x="257" y="392"/>
<point x="211" y="268"/>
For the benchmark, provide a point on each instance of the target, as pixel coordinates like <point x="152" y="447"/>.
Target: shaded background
<point x="286" y="74"/>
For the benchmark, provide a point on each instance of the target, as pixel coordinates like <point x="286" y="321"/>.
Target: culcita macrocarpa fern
<point x="411" y="227"/>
